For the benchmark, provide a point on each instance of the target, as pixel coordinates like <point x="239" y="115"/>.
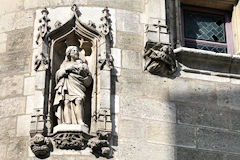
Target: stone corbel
<point x="41" y="146"/>
<point x="100" y="144"/>
<point x="159" y="59"/>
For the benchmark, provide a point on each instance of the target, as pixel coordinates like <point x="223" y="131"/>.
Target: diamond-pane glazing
<point x="204" y="26"/>
<point x="206" y="47"/>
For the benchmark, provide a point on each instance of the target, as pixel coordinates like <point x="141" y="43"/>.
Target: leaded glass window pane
<point x="202" y="26"/>
<point x="206" y="47"/>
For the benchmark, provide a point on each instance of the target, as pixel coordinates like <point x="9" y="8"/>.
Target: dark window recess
<point x="205" y="31"/>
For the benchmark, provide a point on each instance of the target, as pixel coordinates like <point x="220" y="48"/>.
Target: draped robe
<point x="71" y="85"/>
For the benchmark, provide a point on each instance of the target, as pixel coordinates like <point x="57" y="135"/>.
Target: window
<point x="206" y="29"/>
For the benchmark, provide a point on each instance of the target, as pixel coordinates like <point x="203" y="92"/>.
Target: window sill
<point x="207" y="62"/>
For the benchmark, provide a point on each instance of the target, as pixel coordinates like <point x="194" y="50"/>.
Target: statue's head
<point x="72" y="52"/>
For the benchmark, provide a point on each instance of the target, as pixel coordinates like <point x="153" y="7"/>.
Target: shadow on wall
<point x="177" y="119"/>
<point x="207" y="120"/>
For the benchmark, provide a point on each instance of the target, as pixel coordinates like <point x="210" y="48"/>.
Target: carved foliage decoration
<point x="100" y="144"/>
<point x="41" y="59"/>
<point x="40" y="146"/>
<point x="159" y="59"/>
<point x="77" y="141"/>
<point x="106" y="29"/>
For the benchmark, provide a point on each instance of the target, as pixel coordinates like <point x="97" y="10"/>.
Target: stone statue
<point x="72" y="80"/>
<point x="160" y="59"/>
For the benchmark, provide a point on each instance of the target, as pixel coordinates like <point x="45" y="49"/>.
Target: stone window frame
<point x="228" y="27"/>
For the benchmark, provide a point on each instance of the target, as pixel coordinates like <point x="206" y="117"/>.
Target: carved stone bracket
<point x="100" y="144"/>
<point x="159" y="59"/>
<point x="41" y="146"/>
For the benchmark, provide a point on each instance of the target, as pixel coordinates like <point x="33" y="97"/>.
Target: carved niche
<point x="74" y="57"/>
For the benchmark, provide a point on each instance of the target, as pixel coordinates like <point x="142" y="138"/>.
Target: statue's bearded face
<point x="74" y="53"/>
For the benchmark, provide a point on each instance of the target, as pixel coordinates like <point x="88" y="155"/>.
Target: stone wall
<point x="235" y="24"/>
<point x="191" y="117"/>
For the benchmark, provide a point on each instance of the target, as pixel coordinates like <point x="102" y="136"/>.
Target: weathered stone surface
<point x="3" y="37"/>
<point x="156" y="9"/>
<point x="232" y="157"/>
<point x="212" y="116"/>
<point x="35" y="4"/>
<point x="131" y="75"/>
<point x="3" y="47"/>
<point x="134" y="5"/>
<point x="227" y="95"/>
<point x="186" y="90"/>
<point x="17" y="148"/>
<point x="67" y="2"/>
<point x="30" y="104"/>
<point x="24" y="19"/>
<point x="15" y="62"/>
<point x="115" y="128"/>
<point x="147" y="108"/>
<point x="10" y="6"/>
<point x="204" y="77"/>
<point x="16" y="20"/>
<point x="129" y="41"/>
<point x="156" y="87"/>
<point x="12" y="106"/>
<point x="172" y="134"/>
<point x="117" y="58"/>
<point x="132" y="128"/>
<point x="7" y="22"/>
<point x="105" y="98"/>
<point x="131" y="60"/>
<point x="164" y="38"/>
<point x="138" y="150"/>
<point x="3" y="150"/>
<point x="128" y="21"/>
<point x="20" y="39"/>
<point x="114" y="104"/>
<point x="40" y="80"/>
<point x="105" y="79"/>
<point x="23" y="125"/>
<point x="193" y="154"/>
<point x="130" y="150"/>
<point x="29" y="86"/>
<point x="131" y="88"/>
<point x="11" y="86"/>
<point x="218" y="140"/>
<point x="6" y="126"/>
<point x="38" y="99"/>
<point x="159" y="152"/>
<point x="235" y="120"/>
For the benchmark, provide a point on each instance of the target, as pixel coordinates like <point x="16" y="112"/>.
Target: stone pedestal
<point x="71" y="136"/>
<point x="70" y="128"/>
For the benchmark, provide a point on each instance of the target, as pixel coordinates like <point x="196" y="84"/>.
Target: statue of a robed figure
<point x="72" y="80"/>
